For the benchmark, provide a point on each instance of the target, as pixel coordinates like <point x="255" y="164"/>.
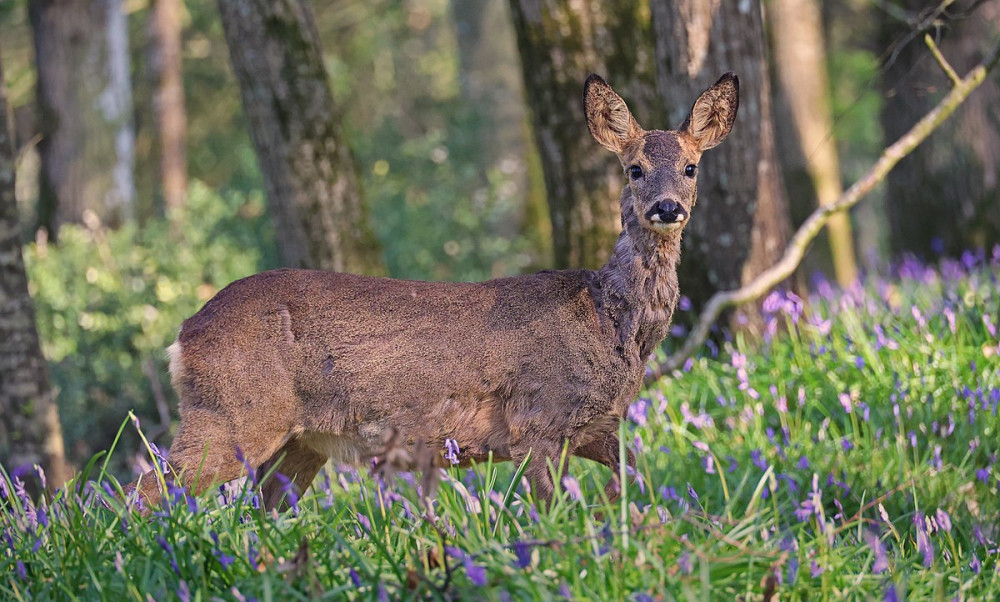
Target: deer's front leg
<point x="605" y="451"/>
<point x="538" y="474"/>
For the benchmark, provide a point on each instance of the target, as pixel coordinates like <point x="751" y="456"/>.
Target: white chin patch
<point x="660" y="226"/>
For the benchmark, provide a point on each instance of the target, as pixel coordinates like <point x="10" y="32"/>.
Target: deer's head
<point x="661" y="166"/>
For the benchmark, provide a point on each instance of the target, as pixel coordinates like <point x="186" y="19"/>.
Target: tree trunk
<point x="801" y="65"/>
<point x="741" y="224"/>
<point x="561" y="43"/>
<point x="310" y="174"/>
<point x="943" y="198"/>
<point x="85" y="111"/>
<point x="168" y="100"/>
<point x="30" y="432"/>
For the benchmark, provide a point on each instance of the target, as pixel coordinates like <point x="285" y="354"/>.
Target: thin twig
<point x="814" y="224"/>
<point x="945" y="65"/>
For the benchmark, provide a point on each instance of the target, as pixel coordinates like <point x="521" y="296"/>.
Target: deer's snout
<point x="667" y="212"/>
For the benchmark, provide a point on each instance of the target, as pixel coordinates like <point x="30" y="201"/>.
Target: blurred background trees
<point x="441" y="139"/>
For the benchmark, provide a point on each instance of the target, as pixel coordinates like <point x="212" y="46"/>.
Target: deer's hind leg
<point x="604" y="449"/>
<point x="297" y="462"/>
<point x="205" y="453"/>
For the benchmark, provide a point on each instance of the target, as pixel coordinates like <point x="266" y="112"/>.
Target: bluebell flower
<point x="572" y="487"/>
<point x="684" y="563"/>
<point x="522" y="551"/>
<point x="451" y="451"/>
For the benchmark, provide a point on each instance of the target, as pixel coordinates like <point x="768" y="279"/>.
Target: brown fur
<point x="298" y="365"/>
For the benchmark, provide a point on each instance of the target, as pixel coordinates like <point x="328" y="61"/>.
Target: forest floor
<point x="851" y="453"/>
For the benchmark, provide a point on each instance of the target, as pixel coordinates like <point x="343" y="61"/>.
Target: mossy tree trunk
<point x="560" y="43"/>
<point x="741" y="224"/>
<point x="309" y="172"/>
<point x="30" y="432"/>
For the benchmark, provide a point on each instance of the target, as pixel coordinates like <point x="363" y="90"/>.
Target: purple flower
<point x="170" y="553"/>
<point x="975" y="565"/>
<point x="22" y="492"/>
<point x="451" y="451"/>
<point x="846" y="444"/>
<point x="924" y="545"/>
<point x="288" y="490"/>
<point x="41" y="475"/>
<point x="183" y="592"/>
<point x="22" y="573"/>
<point x="638" y="411"/>
<point x="685" y="564"/>
<point x="943" y="520"/>
<point x="815" y="570"/>
<point x="881" y="563"/>
<point x="936" y="461"/>
<point x="890" y="594"/>
<point x="845" y="400"/>
<point x="364" y="522"/>
<point x="793" y="569"/>
<point x="522" y="551"/>
<point x="355" y="578"/>
<point x="709" y="464"/>
<point x="691" y="492"/>
<point x="805" y="511"/>
<point x="572" y="487"/>
<point x="476" y="573"/>
<point x="246" y="465"/>
<point x="990" y="327"/>
<point x="803" y="463"/>
<point x="983" y="474"/>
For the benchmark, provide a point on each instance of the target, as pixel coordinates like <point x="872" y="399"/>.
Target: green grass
<point x="755" y="479"/>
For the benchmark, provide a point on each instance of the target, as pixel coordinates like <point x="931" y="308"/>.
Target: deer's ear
<point x="608" y="117"/>
<point x="714" y="113"/>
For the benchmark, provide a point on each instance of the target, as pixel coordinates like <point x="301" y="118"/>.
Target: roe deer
<point x="301" y="366"/>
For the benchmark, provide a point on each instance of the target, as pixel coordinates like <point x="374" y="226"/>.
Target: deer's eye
<point x="690" y="170"/>
<point x="634" y="172"/>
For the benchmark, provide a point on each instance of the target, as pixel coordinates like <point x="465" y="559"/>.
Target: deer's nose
<point x="667" y="211"/>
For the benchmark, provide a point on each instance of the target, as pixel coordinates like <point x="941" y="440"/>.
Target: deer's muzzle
<point x="667" y="212"/>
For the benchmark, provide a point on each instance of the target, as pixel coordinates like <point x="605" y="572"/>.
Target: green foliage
<point x="851" y="458"/>
<point x="436" y="217"/>
<point x="440" y="210"/>
<point x="108" y="303"/>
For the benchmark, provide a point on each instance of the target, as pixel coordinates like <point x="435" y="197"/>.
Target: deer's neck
<point x="639" y="289"/>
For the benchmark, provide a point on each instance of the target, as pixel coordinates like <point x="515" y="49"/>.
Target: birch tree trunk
<point x="560" y="43"/>
<point x="84" y="111"/>
<point x="801" y="66"/>
<point x="168" y="100"/>
<point x="30" y="432"/>
<point x="309" y="172"/>
<point x="740" y="225"/>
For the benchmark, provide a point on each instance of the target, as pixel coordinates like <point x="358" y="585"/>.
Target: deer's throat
<point x="639" y="285"/>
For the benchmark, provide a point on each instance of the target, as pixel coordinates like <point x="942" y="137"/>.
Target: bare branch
<point x="945" y="65"/>
<point x="814" y="224"/>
